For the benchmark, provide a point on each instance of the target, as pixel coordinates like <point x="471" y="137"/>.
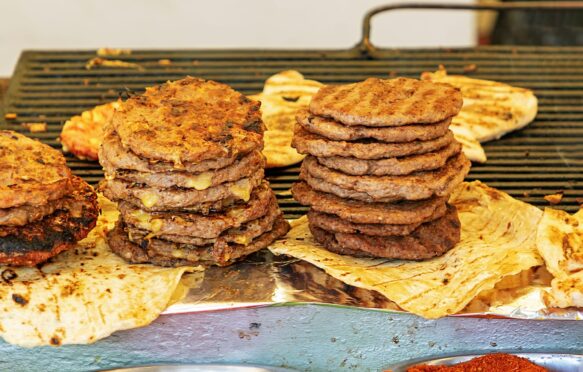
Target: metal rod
<point x="366" y="46"/>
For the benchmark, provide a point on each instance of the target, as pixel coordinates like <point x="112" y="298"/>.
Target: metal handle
<point x="366" y="46"/>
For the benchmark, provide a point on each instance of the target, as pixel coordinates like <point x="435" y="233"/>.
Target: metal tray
<point x="553" y="362"/>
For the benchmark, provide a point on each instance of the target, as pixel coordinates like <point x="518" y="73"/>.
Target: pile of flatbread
<point x="498" y="240"/>
<point x="84" y="294"/>
<point x="490" y="110"/>
<point x="283" y="95"/>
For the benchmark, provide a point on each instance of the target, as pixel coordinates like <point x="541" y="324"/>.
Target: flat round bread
<point x="429" y="240"/>
<point x="30" y="172"/>
<point x="393" y="166"/>
<point x="379" y="103"/>
<point x="314" y="144"/>
<point x="400" y="213"/>
<point x="189" y="120"/>
<point x="415" y="186"/>
<point x="334" y="130"/>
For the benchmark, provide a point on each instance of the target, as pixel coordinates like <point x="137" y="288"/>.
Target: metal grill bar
<point x="544" y="158"/>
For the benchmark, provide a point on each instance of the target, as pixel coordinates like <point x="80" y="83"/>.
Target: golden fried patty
<point x="378" y="103"/>
<point x="38" y="241"/>
<point x="82" y="134"/>
<point x="429" y="240"/>
<point x="30" y="172"/>
<point x="189" y="120"/>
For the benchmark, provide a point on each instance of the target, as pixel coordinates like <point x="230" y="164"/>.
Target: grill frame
<point x="546" y="157"/>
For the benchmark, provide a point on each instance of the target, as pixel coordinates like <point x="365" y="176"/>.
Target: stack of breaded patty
<point x="184" y="163"/>
<point x="382" y="163"/>
<point x="44" y="209"/>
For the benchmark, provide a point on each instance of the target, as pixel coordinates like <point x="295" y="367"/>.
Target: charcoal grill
<point x="546" y="157"/>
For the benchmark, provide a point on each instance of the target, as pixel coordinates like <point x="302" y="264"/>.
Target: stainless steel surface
<point x="264" y="280"/>
<point x="203" y="368"/>
<point x="553" y="362"/>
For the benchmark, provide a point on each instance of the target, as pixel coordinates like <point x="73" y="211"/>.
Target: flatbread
<point x="491" y="109"/>
<point x="560" y="243"/>
<point x="497" y="239"/>
<point x="84" y="294"/>
<point x="283" y="95"/>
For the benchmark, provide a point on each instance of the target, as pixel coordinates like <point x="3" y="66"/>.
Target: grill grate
<point x="544" y="158"/>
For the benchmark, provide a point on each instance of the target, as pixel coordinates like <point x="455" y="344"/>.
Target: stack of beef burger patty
<point x="184" y="163"/>
<point x="381" y="164"/>
<point x="44" y="209"/>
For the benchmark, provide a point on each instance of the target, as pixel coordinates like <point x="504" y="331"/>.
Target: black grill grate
<point x="544" y="158"/>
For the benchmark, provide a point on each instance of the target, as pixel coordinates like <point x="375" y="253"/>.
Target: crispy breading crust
<point x="334" y="130"/>
<point x="429" y="240"/>
<point x="82" y="134"/>
<point x="30" y="172"/>
<point x="41" y="240"/>
<point x="189" y="120"/>
<point x="375" y="102"/>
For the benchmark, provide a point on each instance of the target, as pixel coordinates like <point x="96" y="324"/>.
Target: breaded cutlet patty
<point x="334" y="130"/>
<point x="393" y="166"/>
<point x="177" y="198"/>
<point x="38" y="241"/>
<point x="245" y="167"/>
<point x="165" y="253"/>
<point x="201" y="226"/>
<point x="429" y="240"/>
<point x="316" y="145"/>
<point x="400" y="213"/>
<point x="189" y="120"/>
<point x="395" y="102"/>
<point x="30" y="172"/>
<point x="414" y="186"/>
